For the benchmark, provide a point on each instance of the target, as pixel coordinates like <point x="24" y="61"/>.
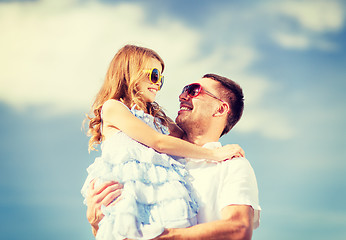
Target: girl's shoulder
<point x="113" y="105"/>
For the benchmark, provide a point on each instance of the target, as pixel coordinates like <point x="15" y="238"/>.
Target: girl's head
<point x="153" y="81"/>
<point x="127" y="80"/>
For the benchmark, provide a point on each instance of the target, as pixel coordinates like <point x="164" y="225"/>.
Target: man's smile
<point x="185" y="107"/>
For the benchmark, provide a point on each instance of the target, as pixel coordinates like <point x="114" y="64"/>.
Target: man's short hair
<point x="231" y="93"/>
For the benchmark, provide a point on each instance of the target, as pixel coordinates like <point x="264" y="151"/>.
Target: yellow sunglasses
<point x="155" y="76"/>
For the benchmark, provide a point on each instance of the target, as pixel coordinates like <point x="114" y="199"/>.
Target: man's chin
<point x="178" y="119"/>
<point x="181" y="119"/>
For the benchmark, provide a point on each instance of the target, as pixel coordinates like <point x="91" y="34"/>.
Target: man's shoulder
<point x="236" y="162"/>
<point x="236" y="166"/>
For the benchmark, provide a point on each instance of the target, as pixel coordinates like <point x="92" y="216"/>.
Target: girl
<point x="135" y="142"/>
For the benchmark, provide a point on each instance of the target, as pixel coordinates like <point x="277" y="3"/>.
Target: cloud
<point x="59" y="56"/>
<point x="309" y="22"/>
<point x="267" y="123"/>
<point x="319" y="16"/>
<point x="301" y="41"/>
<point x="291" y="40"/>
<point x="55" y="55"/>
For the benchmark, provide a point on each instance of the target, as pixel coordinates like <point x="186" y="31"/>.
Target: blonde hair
<point x="121" y="83"/>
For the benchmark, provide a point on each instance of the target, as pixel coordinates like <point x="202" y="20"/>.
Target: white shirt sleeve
<point x="238" y="186"/>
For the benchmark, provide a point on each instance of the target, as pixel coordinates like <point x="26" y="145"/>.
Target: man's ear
<point x="222" y="110"/>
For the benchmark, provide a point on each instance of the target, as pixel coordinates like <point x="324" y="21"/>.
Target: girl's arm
<point x="117" y="115"/>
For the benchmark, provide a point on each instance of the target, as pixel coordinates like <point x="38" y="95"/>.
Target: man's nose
<point x="183" y="96"/>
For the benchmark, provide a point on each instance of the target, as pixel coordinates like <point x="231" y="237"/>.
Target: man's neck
<point x="199" y="139"/>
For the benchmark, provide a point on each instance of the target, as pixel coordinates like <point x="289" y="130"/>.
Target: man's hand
<point x="106" y="194"/>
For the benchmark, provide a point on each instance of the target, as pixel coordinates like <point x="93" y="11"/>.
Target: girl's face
<point x="147" y="88"/>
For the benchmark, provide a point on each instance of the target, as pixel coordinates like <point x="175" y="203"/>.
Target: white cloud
<point x="315" y="15"/>
<point x="313" y="18"/>
<point x="259" y="117"/>
<point x="302" y="41"/>
<point x="267" y="123"/>
<point x="292" y="40"/>
<point x="59" y="57"/>
<point x="56" y="55"/>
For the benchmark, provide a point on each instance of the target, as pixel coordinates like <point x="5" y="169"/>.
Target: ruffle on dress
<point x="150" y="120"/>
<point x="157" y="193"/>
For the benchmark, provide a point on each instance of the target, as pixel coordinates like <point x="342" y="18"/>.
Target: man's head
<point x="211" y="106"/>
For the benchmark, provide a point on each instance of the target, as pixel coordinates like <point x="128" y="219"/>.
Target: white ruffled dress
<point x="156" y="194"/>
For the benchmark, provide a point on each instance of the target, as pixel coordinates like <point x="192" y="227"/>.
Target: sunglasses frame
<point x="200" y="89"/>
<point x="161" y="77"/>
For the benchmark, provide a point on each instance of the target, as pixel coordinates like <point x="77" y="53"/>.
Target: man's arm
<point x="236" y="223"/>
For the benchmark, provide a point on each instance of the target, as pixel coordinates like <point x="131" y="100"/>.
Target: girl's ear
<point x="222" y="110"/>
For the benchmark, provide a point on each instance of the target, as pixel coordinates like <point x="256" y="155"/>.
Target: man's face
<point x="196" y="112"/>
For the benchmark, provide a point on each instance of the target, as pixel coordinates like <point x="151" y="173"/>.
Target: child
<point x="135" y="142"/>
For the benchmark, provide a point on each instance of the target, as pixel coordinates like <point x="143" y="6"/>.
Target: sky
<point x="288" y="56"/>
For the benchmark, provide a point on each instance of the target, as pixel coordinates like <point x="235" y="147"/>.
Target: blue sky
<point x="289" y="57"/>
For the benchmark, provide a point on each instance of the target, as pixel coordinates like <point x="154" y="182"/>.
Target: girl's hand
<point x="228" y="152"/>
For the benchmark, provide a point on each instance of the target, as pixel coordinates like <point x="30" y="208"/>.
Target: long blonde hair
<point x="121" y="83"/>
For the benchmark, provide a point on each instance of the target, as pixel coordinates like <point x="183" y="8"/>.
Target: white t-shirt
<point x="218" y="185"/>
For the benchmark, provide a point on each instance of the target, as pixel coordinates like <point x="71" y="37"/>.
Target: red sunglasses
<point x="194" y="89"/>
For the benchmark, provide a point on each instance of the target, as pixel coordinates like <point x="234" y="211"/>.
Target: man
<point x="227" y="191"/>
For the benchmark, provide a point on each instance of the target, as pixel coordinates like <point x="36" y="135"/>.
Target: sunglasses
<point x="194" y="89"/>
<point x="155" y="76"/>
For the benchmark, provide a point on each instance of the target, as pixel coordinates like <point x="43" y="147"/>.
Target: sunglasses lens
<point x="192" y="89"/>
<point x="162" y="81"/>
<point x="155" y="76"/>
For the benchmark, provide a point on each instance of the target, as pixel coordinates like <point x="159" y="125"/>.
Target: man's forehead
<point x="208" y="83"/>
